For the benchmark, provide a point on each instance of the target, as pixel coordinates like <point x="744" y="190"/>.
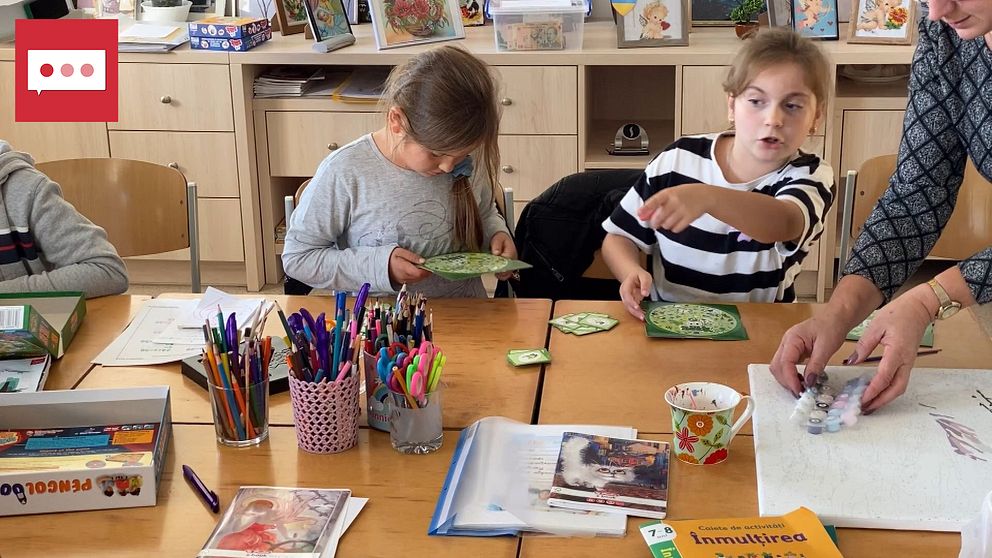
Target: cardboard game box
<point x="32" y="324"/>
<point x="228" y="27"/>
<point x="85" y="449"/>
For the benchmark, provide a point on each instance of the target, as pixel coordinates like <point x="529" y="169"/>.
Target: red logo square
<point x="65" y="70"/>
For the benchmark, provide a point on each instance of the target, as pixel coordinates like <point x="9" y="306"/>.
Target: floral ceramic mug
<point x="701" y="420"/>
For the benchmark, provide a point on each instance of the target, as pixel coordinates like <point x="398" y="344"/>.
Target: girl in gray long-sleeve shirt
<point x="378" y="206"/>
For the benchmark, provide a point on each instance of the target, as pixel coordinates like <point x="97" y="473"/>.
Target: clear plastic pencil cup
<point x="241" y="414"/>
<point x="416" y="428"/>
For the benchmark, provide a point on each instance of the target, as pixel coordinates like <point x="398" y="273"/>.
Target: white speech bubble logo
<point x="67" y="70"/>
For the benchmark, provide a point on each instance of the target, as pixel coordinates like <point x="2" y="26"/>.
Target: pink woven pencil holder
<point x="326" y="414"/>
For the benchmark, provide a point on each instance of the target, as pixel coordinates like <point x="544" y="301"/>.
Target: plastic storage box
<point x="538" y="24"/>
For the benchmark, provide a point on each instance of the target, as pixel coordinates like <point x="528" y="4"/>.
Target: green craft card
<point x="859" y="330"/>
<point x="693" y="321"/>
<point x="466" y="265"/>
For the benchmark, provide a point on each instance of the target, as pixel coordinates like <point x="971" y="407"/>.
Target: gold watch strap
<point x="942" y="297"/>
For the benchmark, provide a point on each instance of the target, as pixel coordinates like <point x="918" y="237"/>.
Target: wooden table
<point x="402" y="491"/>
<point x="729" y="490"/>
<point x="105" y="318"/>
<point x="475" y="335"/>
<point x="620" y="376"/>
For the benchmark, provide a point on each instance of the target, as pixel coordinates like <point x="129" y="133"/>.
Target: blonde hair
<point x="449" y="100"/>
<point x="775" y="46"/>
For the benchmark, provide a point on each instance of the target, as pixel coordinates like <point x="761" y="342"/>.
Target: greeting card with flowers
<point x="890" y="22"/>
<point x="407" y="22"/>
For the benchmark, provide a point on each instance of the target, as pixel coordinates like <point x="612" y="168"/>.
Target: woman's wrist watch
<point x="948" y="307"/>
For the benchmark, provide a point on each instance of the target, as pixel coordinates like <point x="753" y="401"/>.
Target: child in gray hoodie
<point x="45" y="244"/>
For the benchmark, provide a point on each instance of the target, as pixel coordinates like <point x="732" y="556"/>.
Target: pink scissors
<point x="416" y="383"/>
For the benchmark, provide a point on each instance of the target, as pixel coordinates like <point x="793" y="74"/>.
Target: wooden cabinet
<point x="194" y="97"/>
<point x="530" y="164"/>
<point x="182" y="115"/>
<point x="704" y="104"/>
<point x="538" y="99"/>
<point x="299" y="141"/>
<point x="47" y="141"/>
<point x="207" y="158"/>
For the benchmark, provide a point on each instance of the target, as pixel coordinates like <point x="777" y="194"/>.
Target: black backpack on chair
<point x="559" y="232"/>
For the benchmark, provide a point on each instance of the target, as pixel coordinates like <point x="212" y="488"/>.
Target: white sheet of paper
<point x="173" y="334"/>
<point x="355" y="506"/>
<point x="148" y="31"/>
<point x="136" y="345"/>
<point x="207" y="309"/>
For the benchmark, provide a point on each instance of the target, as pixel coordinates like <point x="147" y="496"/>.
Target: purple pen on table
<point x="208" y="496"/>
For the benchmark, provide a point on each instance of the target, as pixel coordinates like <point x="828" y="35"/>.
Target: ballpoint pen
<point x="209" y="496"/>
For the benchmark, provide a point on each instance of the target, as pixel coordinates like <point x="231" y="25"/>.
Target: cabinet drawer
<point x="220" y="233"/>
<point x="704" y="104"/>
<point x="207" y="158"/>
<point x="538" y="99"/>
<point x="47" y="141"/>
<point x="530" y="164"/>
<point x="193" y="97"/>
<point x="299" y="141"/>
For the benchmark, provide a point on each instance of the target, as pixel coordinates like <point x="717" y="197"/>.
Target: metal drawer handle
<point x="166" y="99"/>
<point x="332" y="146"/>
<point x="506" y="101"/>
<point x="174" y="165"/>
<point x="507" y="169"/>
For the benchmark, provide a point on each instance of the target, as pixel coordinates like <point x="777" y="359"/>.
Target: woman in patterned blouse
<point x="948" y="119"/>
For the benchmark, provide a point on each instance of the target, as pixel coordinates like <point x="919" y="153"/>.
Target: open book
<point x="500" y="479"/>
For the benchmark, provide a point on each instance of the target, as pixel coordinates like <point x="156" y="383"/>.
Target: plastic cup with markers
<point x="415" y="392"/>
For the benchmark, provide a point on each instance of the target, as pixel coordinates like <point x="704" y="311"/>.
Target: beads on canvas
<point x="822" y="409"/>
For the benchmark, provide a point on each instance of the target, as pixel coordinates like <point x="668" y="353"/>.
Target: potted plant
<point x="165" y="10"/>
<point x="743" y="15"/>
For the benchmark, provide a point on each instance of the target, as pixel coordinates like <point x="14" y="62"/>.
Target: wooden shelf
<point x="322" y="104"/>
<point x="601" y="134"/>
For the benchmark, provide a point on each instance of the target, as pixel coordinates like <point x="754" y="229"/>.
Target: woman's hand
<point x="898" y="328"/>
<point x="502" y="245"/>
<point x="634" y="288"/>
<point x="816" y="339"/>
<point x="403" y="267"/>
<point x="675" y="208"/>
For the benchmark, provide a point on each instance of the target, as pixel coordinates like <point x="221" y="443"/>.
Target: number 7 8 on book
<point x="659" y="538"/>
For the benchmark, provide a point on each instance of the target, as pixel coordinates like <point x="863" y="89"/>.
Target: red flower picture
<point x="716" y="457"/>
<point x="686" y="439"/>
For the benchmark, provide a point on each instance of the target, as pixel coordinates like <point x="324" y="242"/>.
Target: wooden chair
<point x="968" y="231"/>
<point x="145" y="208"/>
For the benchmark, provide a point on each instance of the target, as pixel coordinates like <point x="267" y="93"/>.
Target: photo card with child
<point x="815" y="19"/>
<point x="651" y="23"/>
<point x="882" y="21"/>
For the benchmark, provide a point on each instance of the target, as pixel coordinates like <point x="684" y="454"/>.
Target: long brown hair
<point x="771" y="47"/>
<point x="448" y="99"/>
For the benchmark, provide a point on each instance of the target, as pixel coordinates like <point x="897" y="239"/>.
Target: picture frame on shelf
<point x="398" y="23"/>
<point x="654" y="23"/>
<point x="292" y="16"/>
<point x="472" y="12"/>
<point x="816" y="19"/>
<point x="711" y="12"/>
<point x="886" y="22"/>
<point x="779" y="13"/>
<point x="351" y="8"/>
<point x="329" y="24"/>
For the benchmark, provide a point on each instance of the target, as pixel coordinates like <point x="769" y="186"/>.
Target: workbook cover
<point x="599" y="473"/>
<point x="797" y="533"/>
<point x="279" y="522"/>
<point x="720" y="322"/>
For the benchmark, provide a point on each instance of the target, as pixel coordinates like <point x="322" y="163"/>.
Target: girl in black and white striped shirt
<point x="730" y="216"/>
